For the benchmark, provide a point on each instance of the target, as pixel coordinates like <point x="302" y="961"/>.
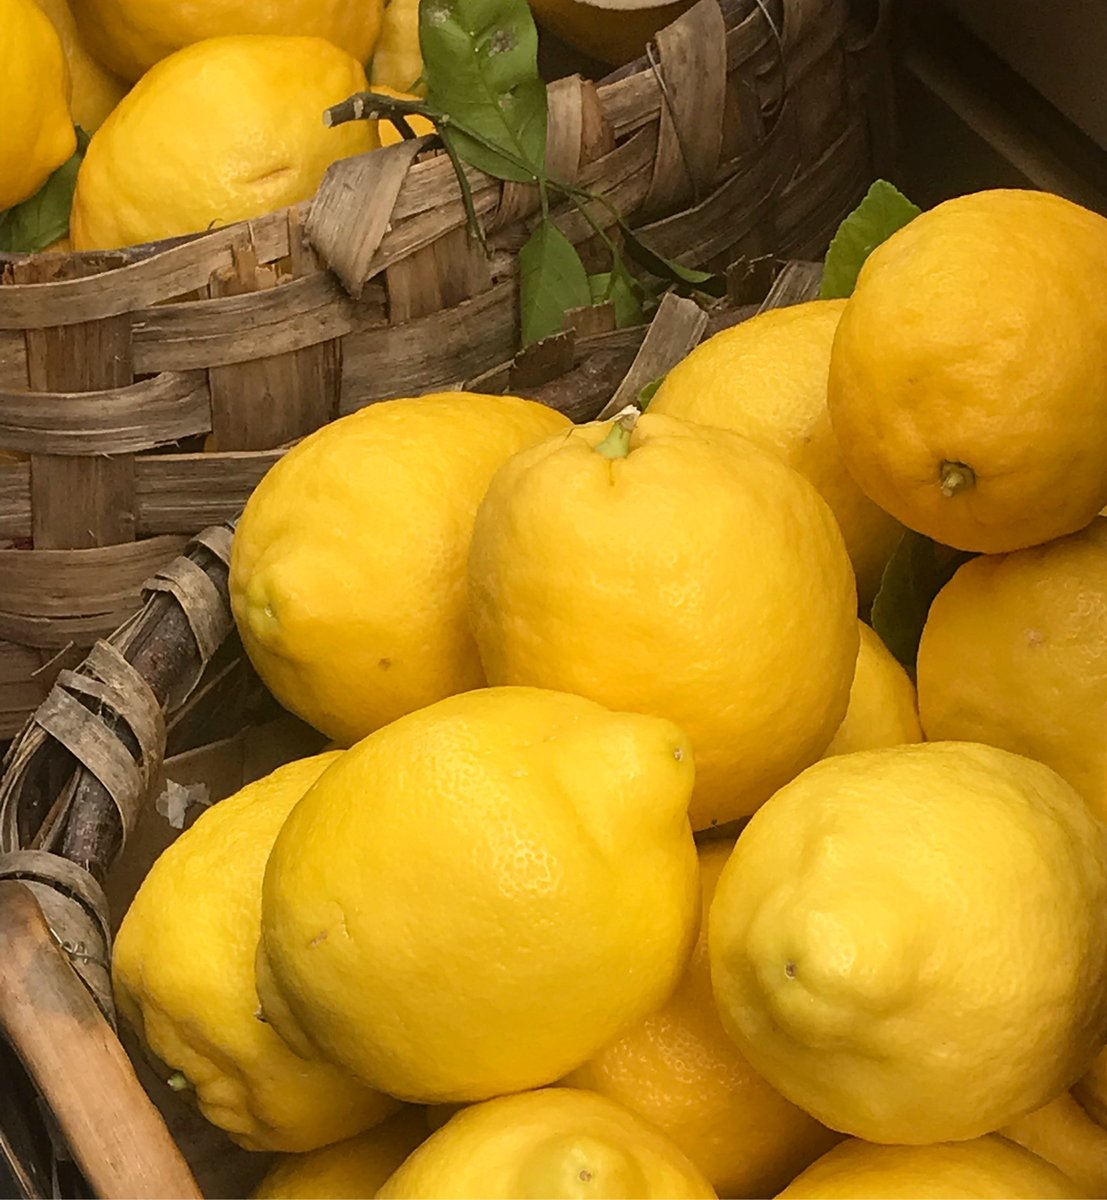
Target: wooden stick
<point x="114" y="1132"/>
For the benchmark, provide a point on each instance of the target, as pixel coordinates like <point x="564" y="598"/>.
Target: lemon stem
<point x="617" y="442"/>
<point x="956" y="477"/>
<point x="178" y="1082"/>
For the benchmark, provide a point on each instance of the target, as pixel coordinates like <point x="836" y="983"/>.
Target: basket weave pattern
<point x="144" y="392"/>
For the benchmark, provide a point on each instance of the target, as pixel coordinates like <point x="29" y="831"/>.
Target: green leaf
<point x="917" y="571"/>
<point x="884" y="210"/>
<point x="649" y="391"/>
<point x="552" y="280"/>
<point x="44" y="217"/>
<point x="682" y="277"/>
<point x="480" y="59"/>
<point x="624" y="292"/>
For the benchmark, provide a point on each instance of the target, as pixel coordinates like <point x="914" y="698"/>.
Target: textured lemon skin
<point x="977" y="335"/>
<point x="483" y="893"/>
<point x="348" y="1170"/>
<point x="1091" y="1090"/>
<point x="986" y="1168"/>
<point x="883" y="708"/>
<point x="1014" y="654"/>
<point x="130" y="36"/>
<point x="36" y="131"/>
<point x="911" y="943"/>
<point x="766" y="379"/>
<point x="348" y="565"/>
<point x="680" y="1071"/>
<point x="555" y="1143"/>
<point x="398" y="58"/>
<point x="183" y="974"/>
<point x="1062" y="1133"/>
<point x="96" y="90"/>
<point x="169" y="161"/>
<point x="697" y="545"/>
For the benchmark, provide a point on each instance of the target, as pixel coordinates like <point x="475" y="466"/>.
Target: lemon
<point x="130" y="36"/>
<point x="183" y="971"/>
<point x="387" y="131"/>
<point x="1062" y="1133"/>
<point x="692" y="576"/>
<point x="968" y="380"/>
<point x="766" y="379"/>
<point x="398" y="58"/>
<point x="96" y="91"/>
<point x="1014" y="653"/>
<point x="346" y="1170"/>
<point x="984" y="1167"/>
<point x="911" y="943"/>
<point x="556" y="1143"/>
<point x="36" y="132"/>
<point x="680" y="1071"/>
<point x="883" y="708"/>
<point x="348" y="571"/>
<point x="479" y="896"/>
<point x="1091" y="1090"/>
<point x="171" y="159"/>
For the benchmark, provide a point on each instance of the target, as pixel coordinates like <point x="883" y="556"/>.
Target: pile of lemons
<point x="201" y="114"/>
<point x="638" y="868"/>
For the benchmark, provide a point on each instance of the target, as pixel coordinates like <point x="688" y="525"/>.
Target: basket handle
<point x="114" y="1132"/>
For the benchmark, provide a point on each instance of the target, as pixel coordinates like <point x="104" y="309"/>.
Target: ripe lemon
<point x="479" y="896"/>
<point x="693" y="576"/>
<point x="968" y="380"/>
<point x="1014" y="653"/>
<point x="348" y="571"/>
<point x="984" y="1167"/>
<point x="911" y="943"/>
<point x="766" y="379"/>
<point x="883" y="709"/>
<point x="398" y="57"/>
<point x="36" y="131"/>
<point x="1062" y="1133"/>
<point x="171" y="159"/>
<point x="387" y="132"/>
<point x="96" y="90"/>
<point x="130" y="36"/>
<point x="1091" y="1090"/>
<point x="680" y="1071"/>
<point x="348" y="1170"/>
<point x="183" y="971"/>
<point x="558" y="1142"/>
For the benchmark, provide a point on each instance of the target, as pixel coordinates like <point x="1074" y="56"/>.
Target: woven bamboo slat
<point x="143" y="392"/>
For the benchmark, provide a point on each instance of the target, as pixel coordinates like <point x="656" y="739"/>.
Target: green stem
<point x="617" y="442"/>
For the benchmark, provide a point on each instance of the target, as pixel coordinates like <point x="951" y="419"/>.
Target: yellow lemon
<point x="348" y="1170"/>
<point x="398" y="58"/>
<point x="883" y="709"/>
<point x="911" y="943"/>
<point x="680" y="1071"/>
<point x="1091" y="1090"/>
<point x="1062" y="1133"/>
<point x="36" y="130"/>
<point x="1014" y="653"/>
<point x="558" y="1143"/>
<point x="479" y="896"/>
<point x="692" y="575"/>
<point x="170" y="160"/>
<point x="766" y="379"/>
<point x="183" y="971"/>
<point x="130" y="36"/>
<point x="96" y="90"/>
<point x="968" y="380"/>
<point x="986" y="1167"/>
<point x="348" y="571"/>
<point x="387" y="132"/>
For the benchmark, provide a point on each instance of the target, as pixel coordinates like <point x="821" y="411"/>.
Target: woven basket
<point x="164" y="716"/>
<point x="146" y="391"/>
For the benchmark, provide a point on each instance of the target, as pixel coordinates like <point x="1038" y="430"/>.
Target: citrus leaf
<point x="552" y="280"/>
<point x="44" y="217"/>
<point x="649" y="391"/>
<point x="917" y="571"/>
<point x="480" y="60"/>
<point x="665" y="268"/>
<point x="624" y="292"/>
<point x="884" y="210"/>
